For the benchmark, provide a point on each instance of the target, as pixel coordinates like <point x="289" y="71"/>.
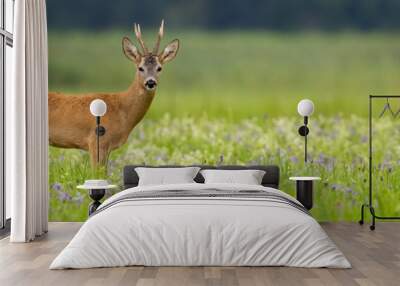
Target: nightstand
<point x="304" y="190"/>
<point x="96" y="193"/>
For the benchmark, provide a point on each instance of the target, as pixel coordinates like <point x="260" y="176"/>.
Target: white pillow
<point x="248" y="177"/>
<point x="165" y="176"/>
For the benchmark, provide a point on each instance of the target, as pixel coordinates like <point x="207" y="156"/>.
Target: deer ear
<point x="169" y="52"/>
<point x="130" y="51"/>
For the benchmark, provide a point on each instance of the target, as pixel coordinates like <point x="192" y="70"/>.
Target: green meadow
<point x="231" y="97"/>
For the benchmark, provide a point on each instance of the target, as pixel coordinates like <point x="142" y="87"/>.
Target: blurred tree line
<point x="230" y="14"/>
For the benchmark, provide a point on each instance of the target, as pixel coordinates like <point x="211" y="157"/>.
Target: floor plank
<point x="375" y="257"/>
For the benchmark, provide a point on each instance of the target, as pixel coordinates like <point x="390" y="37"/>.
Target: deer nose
<point x="151" y="83"/>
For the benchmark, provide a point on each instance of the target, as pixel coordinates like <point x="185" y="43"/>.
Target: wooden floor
<point x="375" y="257"/>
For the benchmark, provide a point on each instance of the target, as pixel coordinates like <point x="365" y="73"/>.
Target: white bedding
<point x="200" y="231"/>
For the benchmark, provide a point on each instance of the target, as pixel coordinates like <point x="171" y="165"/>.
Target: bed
<point x="198" y="224"/>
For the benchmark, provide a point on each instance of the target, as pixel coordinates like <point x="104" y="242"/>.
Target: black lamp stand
<point x="100" y="131"/>
<point x="96" y="195"/>
<point x="303" y="131"/>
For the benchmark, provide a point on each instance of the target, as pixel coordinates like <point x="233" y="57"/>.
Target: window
<point x="6" y="61"/>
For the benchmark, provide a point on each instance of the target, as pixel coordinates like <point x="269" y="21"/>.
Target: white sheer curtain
<point x="27" y="124"/>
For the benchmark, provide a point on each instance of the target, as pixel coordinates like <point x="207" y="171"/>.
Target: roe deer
<point x="71" y="124"/>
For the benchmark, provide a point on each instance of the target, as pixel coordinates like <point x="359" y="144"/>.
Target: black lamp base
<point x="304" y="193"/>
<point x="96" y="195"/>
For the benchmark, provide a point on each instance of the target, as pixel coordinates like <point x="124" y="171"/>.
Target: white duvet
<point x="200" y="231"/>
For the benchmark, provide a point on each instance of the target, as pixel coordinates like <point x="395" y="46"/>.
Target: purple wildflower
<point x="325" y="161"/>
<point x="352" y="131"/>
<point x="294" y="159"/>
<point x="159" y="157"/>
<point x="57" y="187"/>
<point x="238" y="139"/>
<point x="321" y="159"/>
<point x="228" y="137"/>
<point x="337" y="119"/>
<point x="330" y="165"/>
<point x="354" y="193"/>
<point x="348" y="190"/>
<point x="64" y="196"/>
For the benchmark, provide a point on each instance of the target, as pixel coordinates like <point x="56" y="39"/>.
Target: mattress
<point x="201" y="225"/>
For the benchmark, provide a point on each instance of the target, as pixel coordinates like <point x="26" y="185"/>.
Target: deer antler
<point x="139" y="37"/>
<point x="159" y="37"/>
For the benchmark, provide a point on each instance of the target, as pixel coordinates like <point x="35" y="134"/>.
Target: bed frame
<point x="270" y="179"/>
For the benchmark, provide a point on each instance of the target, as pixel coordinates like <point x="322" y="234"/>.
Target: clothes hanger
<point x="397" y="113"/>
<point x="387" y="107"/>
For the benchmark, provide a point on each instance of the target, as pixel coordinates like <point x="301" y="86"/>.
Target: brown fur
<point x="71" y="125"/>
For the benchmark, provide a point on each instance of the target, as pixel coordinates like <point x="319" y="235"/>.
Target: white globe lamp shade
<point x="98" y="107"/>
<point x="305" y="107"/>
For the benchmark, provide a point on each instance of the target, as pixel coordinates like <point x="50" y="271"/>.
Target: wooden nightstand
<point x="304" y="190"/>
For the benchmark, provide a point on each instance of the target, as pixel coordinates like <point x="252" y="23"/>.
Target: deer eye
<point x="159" y="69"/>
<point x="141" y="69"/>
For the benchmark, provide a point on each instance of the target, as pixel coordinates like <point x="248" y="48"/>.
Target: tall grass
<point x="338" y="152"/>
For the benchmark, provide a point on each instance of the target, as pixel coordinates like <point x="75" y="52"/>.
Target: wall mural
<point x="229" y="97"/>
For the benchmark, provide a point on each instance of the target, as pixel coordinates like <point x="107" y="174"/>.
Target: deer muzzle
<point x="150" y="84"/>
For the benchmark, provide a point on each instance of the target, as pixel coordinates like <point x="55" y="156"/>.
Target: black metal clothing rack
<point x="369" y="205"/>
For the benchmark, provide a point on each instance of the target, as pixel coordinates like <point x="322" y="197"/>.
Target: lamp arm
<point x="305" y="148"/>
<point x="303" y="131"/>
<point x="98" y="138"/>
<point x="100" y="131"/>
